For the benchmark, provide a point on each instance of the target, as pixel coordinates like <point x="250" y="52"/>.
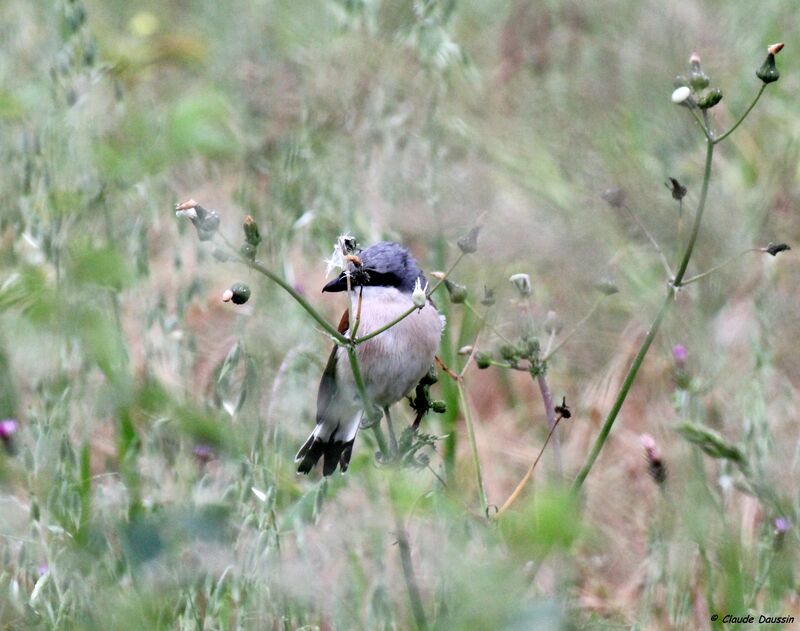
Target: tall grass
<point x="148" y="481"/>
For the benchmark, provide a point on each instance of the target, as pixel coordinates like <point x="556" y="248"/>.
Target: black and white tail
<point x="332" y="441"/>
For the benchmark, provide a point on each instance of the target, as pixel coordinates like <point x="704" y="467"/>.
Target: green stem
<point x="700" y="122"/>
<point x="263" y="269"/>
<point x="365" y="400"/>
<point x="623" y="393"/>
<point x="414" y="596"/>
<point x="462" y="394"/>
<point x="718" y="267"/>
<point x="698" y="216"/>
<point x="747" y="111"/>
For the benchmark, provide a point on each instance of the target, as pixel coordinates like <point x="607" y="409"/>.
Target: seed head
<point x="681" y="95"/>
<point x="523" y="284"/>
<point x="420" y="295"/>
<point x="655" y="465"/>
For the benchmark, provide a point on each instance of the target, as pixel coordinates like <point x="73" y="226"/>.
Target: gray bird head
<point x="384" y="264"/>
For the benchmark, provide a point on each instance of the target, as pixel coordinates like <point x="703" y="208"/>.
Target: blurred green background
<point x="150" y="483"/>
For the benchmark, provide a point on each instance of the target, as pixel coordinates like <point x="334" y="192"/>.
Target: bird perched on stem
<point x="382" y="280"/>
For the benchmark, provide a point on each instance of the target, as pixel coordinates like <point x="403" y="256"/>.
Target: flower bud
<point x="678" y="191"/>
<point x="220" y="255"/>
<point x="419" y="296"/>
<point x="465" y="350"/>
<point x="655" y="464"/>
<point x="483" y="359"/>
<point x="776" y="248"/>
<point x="710" y="99"/>
<point x="438" y="406"/>
<point x="523" y="284"/>
<point x="457" y="293"/>
<point x="8" y="427"/>
<point x="251" y="233"/>
<point x="768" y="72"/>
<point x="680" y="95"/>
<point x="552" y="323"/>
<point x="488" y="297"/>
<point x="607" y="287"/>
<point x="205" y="221"/>
<point x="238" y="294"/>
<point x="468" y="244"/>
<point x="698" y="79"/>
<point x="615" y="197"/>
<point x="509" y="352"/>
<point x="248" y="251"/>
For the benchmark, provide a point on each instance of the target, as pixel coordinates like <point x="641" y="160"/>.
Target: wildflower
<point x="523" y="284"/>
<point x="420" y="295"/>
<point x="205" y="221"/>
<point x="8" y="427"/>
<point x="655" y="465"/>
<point x="768" y="72"/>
<point x="782" y="525"/>
<point x="680" y="354"/>
<point x="678" y="191"/>
<point x="681" y="95"/>
<point x="203" y="453"/>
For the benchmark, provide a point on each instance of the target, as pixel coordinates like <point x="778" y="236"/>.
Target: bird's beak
<point x="337" y="284"/>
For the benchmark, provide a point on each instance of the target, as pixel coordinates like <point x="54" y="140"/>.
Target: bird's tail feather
<point x="334" y="447"/>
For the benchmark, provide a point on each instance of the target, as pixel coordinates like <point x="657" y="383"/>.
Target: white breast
<point x="394" y="361"/>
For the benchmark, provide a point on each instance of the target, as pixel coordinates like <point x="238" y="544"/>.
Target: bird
<point x="383" y="278"/>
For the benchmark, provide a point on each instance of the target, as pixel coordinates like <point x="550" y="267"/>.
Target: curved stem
<point x="552" y="421"/>
<point x="698" y="216"/>
<point x="462" y="394"/>
<point x="718" y="267"/>
<point x="263" y="269"/>
<point x="746" y="112"/>
<point x="528" y="475"/>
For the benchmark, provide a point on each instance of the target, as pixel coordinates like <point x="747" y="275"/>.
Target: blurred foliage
<point x="150" y="482"/>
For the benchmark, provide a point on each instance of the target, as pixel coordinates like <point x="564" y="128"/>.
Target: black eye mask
<point x="363" y="277"/>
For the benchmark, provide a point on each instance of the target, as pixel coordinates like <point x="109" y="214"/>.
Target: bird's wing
<point x="327" y="385"/>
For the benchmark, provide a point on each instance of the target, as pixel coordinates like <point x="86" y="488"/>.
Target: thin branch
<point x="552" y="420"/>
<point x="408" y="569"/>
<point x="529" y="474"/>
<point x="651" y="238"/>
<point x="746" y="112"/>
<point x="462" y="394"/>
<point x="718" y="267"/>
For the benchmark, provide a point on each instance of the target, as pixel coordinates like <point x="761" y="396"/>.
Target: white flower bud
<point x="420" y="295"/>
<point x="523" y="284"/>
<point x="681" y="94"/>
